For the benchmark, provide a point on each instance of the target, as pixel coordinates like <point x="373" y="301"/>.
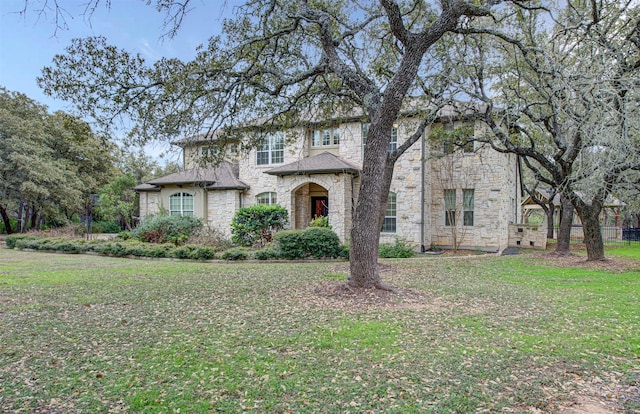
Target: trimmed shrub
<point x="318" y="242"/>
<point x="268" y="253"/>
<point x="322" y="242"/>
<point x="255" y="225"/>
<point x="12" y="240"/>
<point x="238" y="253"/>
<point x="164" y="229"/>
<point x="184" y="252"/>
<point x="397" y="250"/>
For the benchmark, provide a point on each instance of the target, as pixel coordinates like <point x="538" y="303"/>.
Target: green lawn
<point x="83" y="333"/>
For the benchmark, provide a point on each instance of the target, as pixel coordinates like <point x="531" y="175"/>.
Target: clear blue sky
<point x="29" y="42"/>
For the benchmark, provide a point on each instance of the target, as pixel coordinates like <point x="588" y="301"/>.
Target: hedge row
<point x="313" y="242"/>
<point x="132" y="247"/>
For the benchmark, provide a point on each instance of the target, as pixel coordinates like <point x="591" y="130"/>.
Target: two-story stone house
<point x="440" y="195"/>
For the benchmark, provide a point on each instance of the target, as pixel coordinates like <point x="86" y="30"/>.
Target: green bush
<point x="184" y="252"/>
<point x="164" y="229"/>
<point x="204" y="253"/>
<point x="13" y="239"/>
<point x="398" y="249"/>
<point x="315" y="242"/>
<point x="238" y="253"/>
<point x="267" y="253"/>
<point x="320" y="221"/>
<point x="255" y="225"/>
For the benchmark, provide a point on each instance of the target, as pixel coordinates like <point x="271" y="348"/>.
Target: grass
<point x="84" y="333"/>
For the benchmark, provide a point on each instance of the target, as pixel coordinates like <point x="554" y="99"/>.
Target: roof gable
<point x="324" y="163"/>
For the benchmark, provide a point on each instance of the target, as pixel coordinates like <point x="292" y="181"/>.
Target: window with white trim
<point x="268" y="198"/>
<point x="271" y="149"/>
<point x="467" y="206"/>
<point x="181" y="204"/>
<point x="389" y="224"/>
<point x="450" y="207"/>
<point x="325" y="137"/>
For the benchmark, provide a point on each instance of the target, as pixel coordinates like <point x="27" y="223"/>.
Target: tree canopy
<point x="49" y="163"/>
<point x="564" y="80"/>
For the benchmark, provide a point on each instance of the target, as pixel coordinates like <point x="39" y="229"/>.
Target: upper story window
<point x="181" y="204"/>
<point x="271" y="150"/>
<point x="393" y="143"/>
<point x="269" y="198"/>
<point x="325" y="137"/>
<point x="209" y="151"/>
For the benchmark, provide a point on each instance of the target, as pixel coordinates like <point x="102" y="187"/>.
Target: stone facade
<point x="421" y="175"/>
<point x="528" y="236"/>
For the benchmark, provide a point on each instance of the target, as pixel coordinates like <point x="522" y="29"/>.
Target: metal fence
<point x="611" y="235"/>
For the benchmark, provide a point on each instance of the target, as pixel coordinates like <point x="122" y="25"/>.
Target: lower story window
<point x="450" y="207"/>
<point x="389" y="224"/>
<point x="268" y="199"/>
<point x="467" y="206"/>
<point x="181" y="204"/>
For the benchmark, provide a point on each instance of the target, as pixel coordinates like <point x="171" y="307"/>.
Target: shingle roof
<point x="146" y="187"/>
<point x="221" y="177"/>
<point x="318" y="164"/>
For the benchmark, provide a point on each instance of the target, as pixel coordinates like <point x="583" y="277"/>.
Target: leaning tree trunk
<point x="564" y="228"/>
<point x="5" y="220"/>
<point x="592" y="232"/>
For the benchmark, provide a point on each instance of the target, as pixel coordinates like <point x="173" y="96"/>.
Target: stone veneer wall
<point x="492" y="176"/>
<point x="149" y="203"/>
<point x="221" y="207"/>
<point x="528" y="236"/>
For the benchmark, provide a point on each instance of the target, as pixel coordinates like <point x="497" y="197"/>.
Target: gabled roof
<point x="324" y="163"/>
<point x="222" y="177"/>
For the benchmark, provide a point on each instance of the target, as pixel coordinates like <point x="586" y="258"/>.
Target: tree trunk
<point x="34" y="218"/>
<point x="592" y="232"/>
<point x="5" y="220"/>
<point x="20" y="224"/>
<point x="375" y="181"/>
<point x="550" y="213"/>
<point x="564" y="229"/>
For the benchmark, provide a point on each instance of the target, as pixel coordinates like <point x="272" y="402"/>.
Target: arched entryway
<point x="311" y="200"/>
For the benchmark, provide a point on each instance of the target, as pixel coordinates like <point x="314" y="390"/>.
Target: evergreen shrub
<point x="164" y="229"/>
<point x="317" y="242"/>
<point x="396" y="250"/>
<point x="255" y="225"/>
<point x="237" y="253"/>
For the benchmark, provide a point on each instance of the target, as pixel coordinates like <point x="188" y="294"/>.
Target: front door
<point x="319" y="207"/>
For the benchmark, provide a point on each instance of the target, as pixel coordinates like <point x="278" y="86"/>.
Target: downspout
<point x="422" y="176"/>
